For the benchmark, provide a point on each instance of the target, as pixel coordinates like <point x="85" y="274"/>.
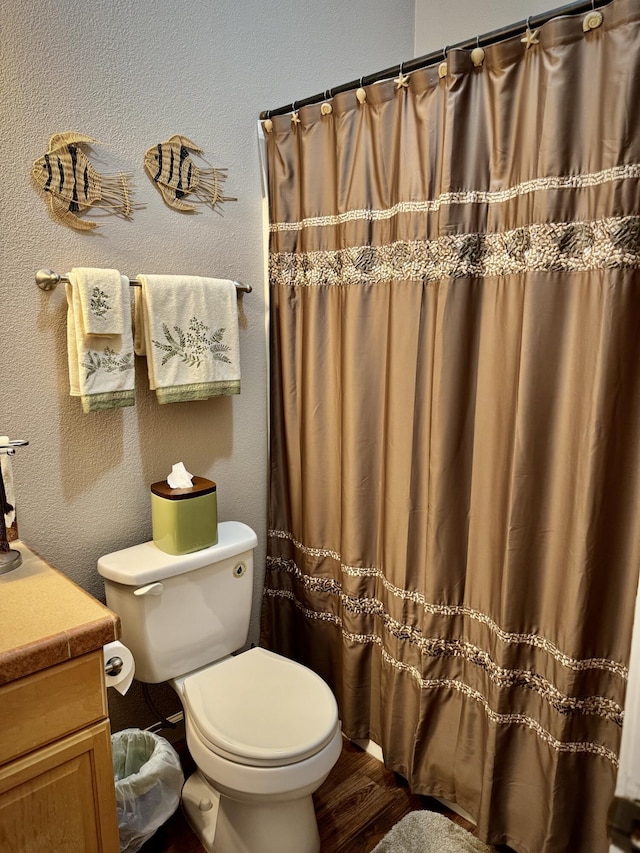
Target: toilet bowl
<point x="262" y="730"/>
<point x="264" y="734"/>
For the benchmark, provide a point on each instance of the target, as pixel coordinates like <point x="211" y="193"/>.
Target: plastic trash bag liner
<point x="148" y="779"/>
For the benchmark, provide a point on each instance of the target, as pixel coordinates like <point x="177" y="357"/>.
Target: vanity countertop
<point x="45" y="618"/>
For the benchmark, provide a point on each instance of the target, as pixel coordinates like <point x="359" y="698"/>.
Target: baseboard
<point x="372" y="748"/>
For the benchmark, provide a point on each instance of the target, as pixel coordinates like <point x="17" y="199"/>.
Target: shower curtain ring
<point x="326" y="109"/>
<point x="593" y="19"/>
<point x="530" y="37"/>
<point x="402" y="80"/>
<point x="477" y="54"/>
<point x="361" y="95"/>
<point x="443" y="68"/>
<point x="295" y="118"/>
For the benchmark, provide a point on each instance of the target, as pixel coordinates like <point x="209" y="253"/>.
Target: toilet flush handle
<point x="149" y="589"/>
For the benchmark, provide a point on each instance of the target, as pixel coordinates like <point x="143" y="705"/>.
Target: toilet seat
<point x="261" y="709"/>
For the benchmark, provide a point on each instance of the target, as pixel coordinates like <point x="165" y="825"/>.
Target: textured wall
<point x="441" y="24"/>
<point x="131" y="73"/>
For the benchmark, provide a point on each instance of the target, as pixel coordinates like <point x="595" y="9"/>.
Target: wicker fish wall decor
<point x="73" y="185"/>
<point x="171" y="168"/>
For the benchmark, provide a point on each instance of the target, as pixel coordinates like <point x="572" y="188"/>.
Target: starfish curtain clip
<point x="401" y="81"/>
<point x="530" y="37"/>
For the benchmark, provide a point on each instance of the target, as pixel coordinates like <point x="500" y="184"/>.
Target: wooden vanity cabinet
<point x="57" y="792"/>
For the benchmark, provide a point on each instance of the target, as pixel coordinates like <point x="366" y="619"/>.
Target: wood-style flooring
<point x="356" y="806"/>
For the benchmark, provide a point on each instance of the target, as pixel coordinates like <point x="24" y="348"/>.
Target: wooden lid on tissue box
<point x="201" y="486"/>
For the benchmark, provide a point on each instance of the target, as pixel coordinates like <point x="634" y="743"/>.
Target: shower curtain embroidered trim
<point x="328" y="585"/>
<point x="502" y="677"/>
<point x="432" y="683"/>
<point x="548" y="247"/>
<point x="555" y="182"/>
<point x="507" y="719"/>
<point x="436" y="647"/>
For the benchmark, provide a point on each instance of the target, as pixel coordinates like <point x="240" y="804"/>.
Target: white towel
<point x="101" y="367"/>
<point x="188" y="328"/>
<point x="101" y="300"/>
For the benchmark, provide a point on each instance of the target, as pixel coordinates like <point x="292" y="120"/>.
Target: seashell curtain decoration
<point x="171" y="168"/>
<point x="73" y="186"/>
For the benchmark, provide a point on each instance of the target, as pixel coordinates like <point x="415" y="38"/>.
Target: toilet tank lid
<point x="146" y="563"/>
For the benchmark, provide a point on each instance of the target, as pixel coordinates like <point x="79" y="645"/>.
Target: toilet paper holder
<point x="114" y="666"/>
<point x="119" y="666"/>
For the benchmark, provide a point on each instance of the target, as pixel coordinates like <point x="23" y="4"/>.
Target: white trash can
<point x="149" y="779"/>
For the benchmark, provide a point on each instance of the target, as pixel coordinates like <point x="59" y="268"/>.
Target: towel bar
<point x="48" y="279"/>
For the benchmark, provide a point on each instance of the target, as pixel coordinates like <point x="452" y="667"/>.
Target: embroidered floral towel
<point x="100" y="365"/>
<point x="100" y="294"/>
<point x="188" y="328"/>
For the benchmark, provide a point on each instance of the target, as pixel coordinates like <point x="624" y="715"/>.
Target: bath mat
<point x="429" y="832"/>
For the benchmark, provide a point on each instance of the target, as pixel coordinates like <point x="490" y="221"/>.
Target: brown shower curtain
<point x="455" y="420"/>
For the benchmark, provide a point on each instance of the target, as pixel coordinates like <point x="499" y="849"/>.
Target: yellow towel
<point x="188" y="328"/>
<point x="101" y="367"/>
<point x="101" y="300"/>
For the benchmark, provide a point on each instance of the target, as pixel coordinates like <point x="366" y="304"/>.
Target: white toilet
<point x="262" y="729"/>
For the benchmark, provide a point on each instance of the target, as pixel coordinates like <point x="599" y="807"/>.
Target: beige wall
<point x="131" y="73"/>
<point x="440" y="24"/>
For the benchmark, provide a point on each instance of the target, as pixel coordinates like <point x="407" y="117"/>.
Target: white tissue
<point x="180" y="478"/>
<point x="121" y="681"/>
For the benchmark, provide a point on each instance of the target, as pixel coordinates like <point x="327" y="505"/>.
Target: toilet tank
<point x="179" y="613"/>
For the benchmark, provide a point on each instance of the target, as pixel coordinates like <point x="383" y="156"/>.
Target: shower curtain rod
<point x="501" y="34"/>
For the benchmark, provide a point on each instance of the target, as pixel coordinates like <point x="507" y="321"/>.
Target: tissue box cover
<point x="184" y="520"/>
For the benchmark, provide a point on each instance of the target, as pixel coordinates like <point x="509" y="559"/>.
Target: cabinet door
<point x="50" y="704"/>
<point x="61" y="798"/>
